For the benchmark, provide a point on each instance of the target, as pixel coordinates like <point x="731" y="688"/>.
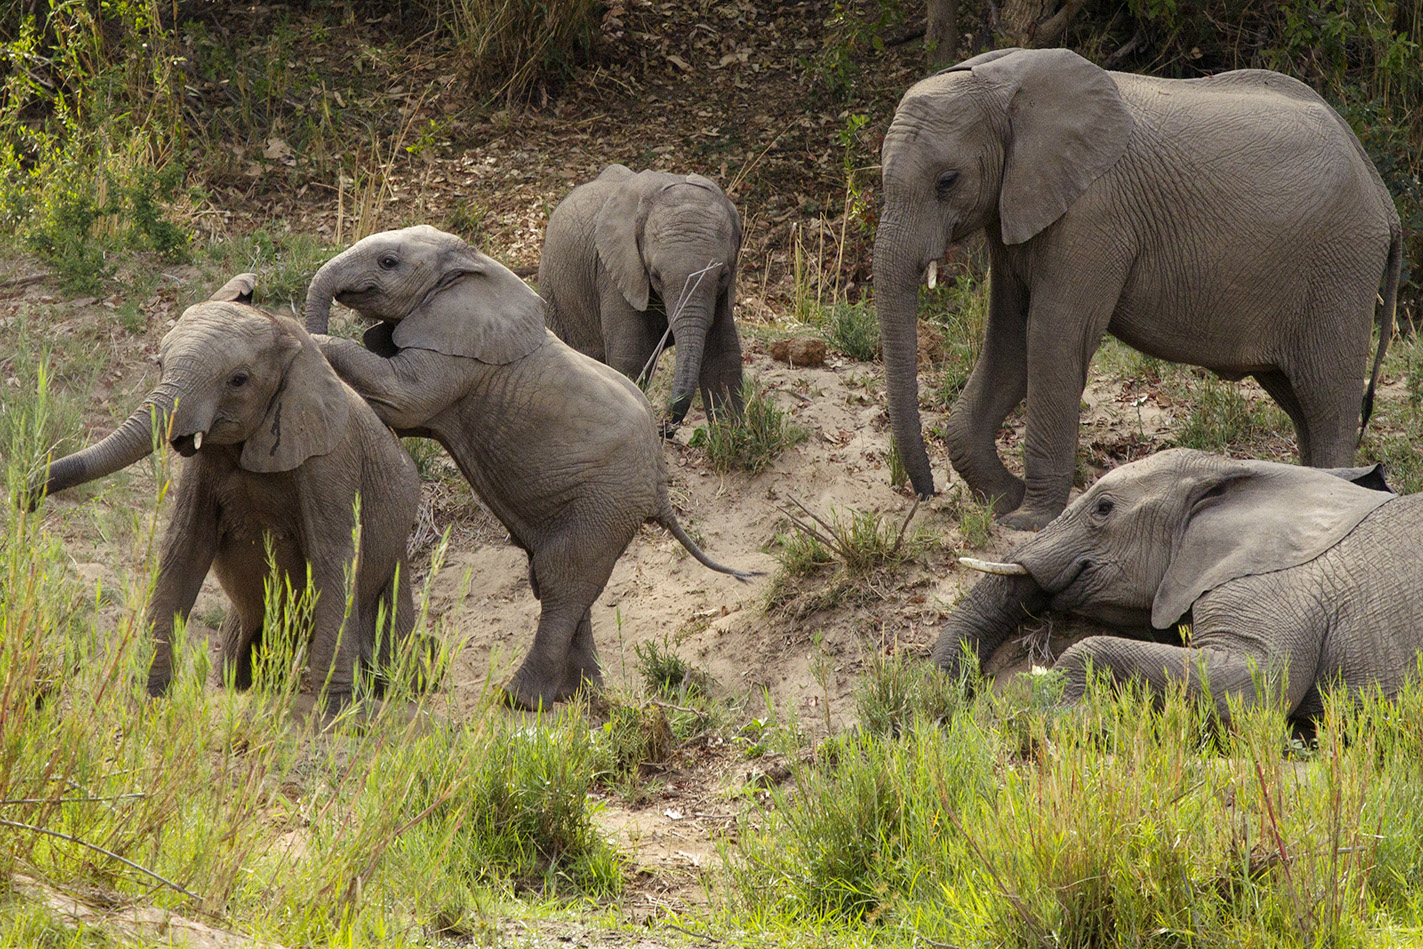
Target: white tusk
<point x="931" y="274"/>
<point x="995" y="568"/>
<point x="197" y="441"/>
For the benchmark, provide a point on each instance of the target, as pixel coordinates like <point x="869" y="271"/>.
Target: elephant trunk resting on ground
<point x="1232" y="222"/>
<point x="276" y="449"/>
<point x="561" y="448"/>
<point x="1298" y="576"/>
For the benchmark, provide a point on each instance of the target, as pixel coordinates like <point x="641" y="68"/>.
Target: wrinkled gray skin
<point x="622" y="254"/>
<point x="275" y="446"/>
<point x="1232" y="222"/>
<point x="562" y="448"/>
<point x="1305" y="578"/>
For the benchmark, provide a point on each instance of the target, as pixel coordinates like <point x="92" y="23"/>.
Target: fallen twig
<point x="108" y="853"/>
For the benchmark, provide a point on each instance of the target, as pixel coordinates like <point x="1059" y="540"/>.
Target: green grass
<point x="753" y="442"/>
<point x="852" y="329"/>
<point x="1221" y="418"/>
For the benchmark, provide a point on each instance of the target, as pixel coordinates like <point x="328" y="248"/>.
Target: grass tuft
<point x="753" y="442"/>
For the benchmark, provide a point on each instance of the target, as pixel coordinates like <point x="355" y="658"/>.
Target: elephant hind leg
<point x="569" y="575"/>
<point x="1277" y="384"/>
<point x="1325" y="412"/>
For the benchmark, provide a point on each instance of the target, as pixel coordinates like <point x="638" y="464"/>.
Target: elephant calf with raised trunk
<point x="630" y="258"/>
<point x="1293" y="580"/>
<point x="563" y="449"/>
<point x="277" y="449"/>
<point x="1232" y="222"/>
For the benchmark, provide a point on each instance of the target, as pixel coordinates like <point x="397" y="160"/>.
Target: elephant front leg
<point x="720" y="378"/>
<point x="1062" y="336"/>
<point x="189" y="546"/>
<point x="995" y="387"/>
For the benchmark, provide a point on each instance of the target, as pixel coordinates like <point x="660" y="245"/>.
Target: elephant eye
<point x="1104" y="507"/>
<point x="389" y="262"/>
<point x="945" y="182"/>
<point x="239" y="379"/>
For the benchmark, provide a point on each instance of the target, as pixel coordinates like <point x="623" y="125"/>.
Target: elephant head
<point x="430" y="290"/>
<point x="676" y="238"/>
<point x="1007" y="141"/>
<point x="1142" y="544"/>
<point x="233" y="378"/>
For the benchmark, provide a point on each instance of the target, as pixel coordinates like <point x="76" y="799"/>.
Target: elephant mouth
<point x="354" y="298"/>
<point x="187" y="445"/>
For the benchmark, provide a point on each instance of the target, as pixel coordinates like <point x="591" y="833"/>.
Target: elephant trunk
<point x="689" y="329"/>
<point x="131" y="441"/>
<point x="987" y="616"/>
<point x="321" y="291"/>
<point x="897" y="308"/>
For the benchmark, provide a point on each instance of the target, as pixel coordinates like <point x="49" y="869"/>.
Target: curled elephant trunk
<point x="132" y="440"/>
<point x="987" y="616"/>
<point x="321" y="291"/>
<point x="896" y="306"/>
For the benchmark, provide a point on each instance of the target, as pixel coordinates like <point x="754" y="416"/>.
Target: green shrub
<point x="853" y="330"/>
<point x="754" y="441"/>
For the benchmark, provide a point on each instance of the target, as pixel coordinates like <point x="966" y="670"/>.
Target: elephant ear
<point x="237" y="290"/>
<point x="480" y="310"/>
<point x="616" y="233"/>
<point x="980" y="59"/>
<point x="1067" y="123"/>
<point x="309" y="412"/>
<point x="1258" y="517"/>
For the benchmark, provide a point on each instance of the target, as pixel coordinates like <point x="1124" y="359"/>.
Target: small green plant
<point x="898" y="477"/>
<point x="754" y="441"/>
<point x="664" y="672"/>
<point x="853" y="330"/>
<point x="975" y="517"/>
<point x="635" y="738"/>
<point x="860" y="540"/>
<point x="896" y="691"/>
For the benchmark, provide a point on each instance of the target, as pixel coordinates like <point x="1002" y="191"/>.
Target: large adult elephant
<point x="277" y="450"/>
<point x="624" y="254"/>
<point x="561" y="448"/>
<point x="1298" y="579"/>
<point x="1232" y="222"/>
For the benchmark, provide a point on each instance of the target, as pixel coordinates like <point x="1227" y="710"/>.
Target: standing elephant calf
<point x="628" y="257"/>
<point x="1232" y="222"/>
<point x="563" y="449"/>
<point x="277" y="451"/>
<point x="1305" y="578"/>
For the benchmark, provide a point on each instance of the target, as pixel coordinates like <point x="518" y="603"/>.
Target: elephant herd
<point x="1232" y="222"/>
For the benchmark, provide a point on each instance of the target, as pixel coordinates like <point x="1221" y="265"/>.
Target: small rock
<point x="804" y="351"/>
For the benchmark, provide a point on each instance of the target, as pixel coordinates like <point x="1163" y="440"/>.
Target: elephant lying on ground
<point x="625" y="253"/>
<point x="563" y="449"/>
<point x="1293" y="574"/>
<point x="277" y="450"/>
<point x="1232" y="222"/>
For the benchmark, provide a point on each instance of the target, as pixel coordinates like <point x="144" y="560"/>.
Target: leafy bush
<point x="852" y="329"/>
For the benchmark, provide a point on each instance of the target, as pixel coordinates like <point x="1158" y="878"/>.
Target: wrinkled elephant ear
<point x="237" y="290"/>
<point x="480" y="310"/>
<point x="307" y="416"/>
<point x="980" y="59"/>
<point x="1257" y="517"/>
<point x="1067" y="126"/>
<point x="616" y="234"/>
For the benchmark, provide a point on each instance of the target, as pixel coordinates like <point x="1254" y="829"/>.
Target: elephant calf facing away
<point x="561" y="448"/>
<point x="1306" y="578"/>
<point x="627" y="253"/>
<point x="277" y="449"/>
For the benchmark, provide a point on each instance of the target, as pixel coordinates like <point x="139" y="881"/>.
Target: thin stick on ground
<point x="108" y="853"/>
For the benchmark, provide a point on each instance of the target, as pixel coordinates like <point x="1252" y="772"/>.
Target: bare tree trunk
<point x="942" y="34"/>
<point x="1036" y="24"/>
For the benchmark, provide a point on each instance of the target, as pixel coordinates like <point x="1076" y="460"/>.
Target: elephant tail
<point x="668" y="519"/>
<point x="1390" y="304"/>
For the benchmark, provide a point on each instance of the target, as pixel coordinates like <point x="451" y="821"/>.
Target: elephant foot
<point x="582" y="677"/>
<point x="525" y="692"/>
<point x="1028" y="519"/>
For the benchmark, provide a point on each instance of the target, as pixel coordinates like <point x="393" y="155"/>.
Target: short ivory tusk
<point x="931" y="274"/>
<point x="995" y="568"/>
<point x="197" y="441"/>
